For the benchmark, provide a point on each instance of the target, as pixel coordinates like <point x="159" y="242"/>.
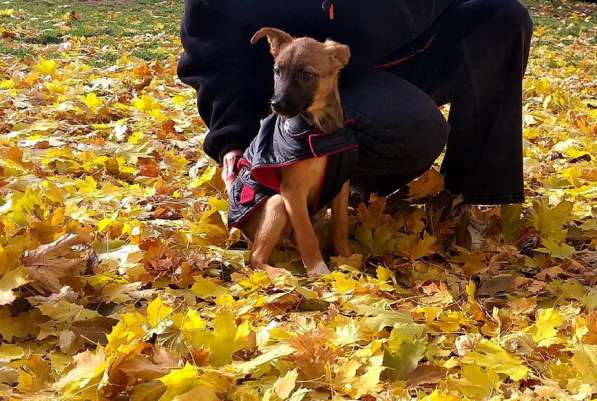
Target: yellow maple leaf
<point x="11" y="280"/>
<point x="91" y="101"/>
<point x="8" y="352"/>
<point x="414" y="247"/>
<point x="206" y="288"/>
<point x="56" y="86"/>
<point x="438" y="395"/>
<point x="368" y="382"/>
<point x="179" y="381"/>
<point x="476" y="383"/>
<point x="279" y="351"/>
<point x="23" y="325"/>
<point x="179" y="100"/>
<point x="404" y="351"/>
<point x="203" y="392"/>
<point x="225" y="339"/>
<point x="491" y="355"/>
<point x="157" y="311"/>
<point x="549" y="221"/>
<point x="347" y="334"/>
<point x="430" y="312"/>
<point x="135" y="138"/>
<point x="130" y="327"/>
<point x="555" y="249"/>
<point x="206" y="177"/>
<point x="26" y="206"/>
<point x="89" y="367"/>
<point x="424" y="247"/>
<point x="383" y="274"/>
<point x="341" y="282"/>
<point x="381" y="319"/>
<point x="284" y="385"/>
<point x="146" y="103"/>
<point x="189" y="323"/>
<point x="256" y="280"/>
<point x="404" y="332"/>
<point x="584" y="361"/>
<point x="46" y="67"/>
<point x="65" y="311"/>
<point x="545" y="330"/>
<point x="34" y="375"/>
<point x="7" y="84"/>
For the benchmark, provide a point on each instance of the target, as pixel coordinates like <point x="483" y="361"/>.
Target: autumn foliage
<point x="120" y="281"/>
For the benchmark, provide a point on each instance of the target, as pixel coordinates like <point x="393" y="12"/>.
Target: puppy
<point x="285" y="174"/>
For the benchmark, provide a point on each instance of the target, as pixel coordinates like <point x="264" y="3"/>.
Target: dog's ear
<point x="277" y="39"/>
<point x="340" y="53"/>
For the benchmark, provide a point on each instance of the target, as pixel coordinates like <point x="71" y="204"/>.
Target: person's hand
<point x="229" y="172"/>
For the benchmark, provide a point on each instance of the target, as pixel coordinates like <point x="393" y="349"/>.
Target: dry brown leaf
<point x="492" y="285"/>
<point x="59" y="263"/>
<point x="148" y="167"/>
<point x="426" y="374"/>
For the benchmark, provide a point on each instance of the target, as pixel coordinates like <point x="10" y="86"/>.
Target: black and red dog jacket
<point x="281" y="143"/>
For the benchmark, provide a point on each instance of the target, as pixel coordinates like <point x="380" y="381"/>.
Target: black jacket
<point x="234" y="78"/>
<point x="281" y="143"/>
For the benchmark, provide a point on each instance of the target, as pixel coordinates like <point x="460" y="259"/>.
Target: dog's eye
<point x="307" y="76"/>
<point x="277" y="71"/>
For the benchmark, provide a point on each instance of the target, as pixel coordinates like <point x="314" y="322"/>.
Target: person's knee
<point x="405" y="145"/>
<point x="419" y="144"/>
<point x="399" y="126"/>
<point x="430" y="139"/>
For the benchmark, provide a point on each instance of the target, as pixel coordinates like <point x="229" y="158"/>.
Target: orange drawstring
<point x="328" y="5"/>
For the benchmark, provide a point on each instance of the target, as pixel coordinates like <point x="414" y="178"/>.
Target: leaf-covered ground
<point x="120" y="281"/>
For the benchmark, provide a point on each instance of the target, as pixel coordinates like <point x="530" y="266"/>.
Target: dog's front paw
<point x="318" y="270"/>
<point x="274" y="272"/>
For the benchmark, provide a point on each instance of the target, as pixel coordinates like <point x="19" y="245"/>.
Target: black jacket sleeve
<point x="233" y="78"/>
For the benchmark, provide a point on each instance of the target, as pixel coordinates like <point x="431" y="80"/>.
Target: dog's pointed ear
<point x="277" y="39"/>
<point x="340" y="53"/>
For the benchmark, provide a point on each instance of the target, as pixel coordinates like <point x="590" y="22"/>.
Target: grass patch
<point x="150" y="53"/>
<point x="566" y="19"/>
<point x="93" y="17"/>
<point x="19" y="52"/>
<point x="45" y="38"/>
<point x="119" y="26"/>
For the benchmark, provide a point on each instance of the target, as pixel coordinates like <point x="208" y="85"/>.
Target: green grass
<point x="117" y="25"/>
<point x="550" y="14"/>
<point x="19" y="52"/>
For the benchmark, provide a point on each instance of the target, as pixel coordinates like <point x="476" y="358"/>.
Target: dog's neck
<point x="326" y="113"/>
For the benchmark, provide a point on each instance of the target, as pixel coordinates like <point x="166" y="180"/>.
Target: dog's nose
<point x="278" y="105"/>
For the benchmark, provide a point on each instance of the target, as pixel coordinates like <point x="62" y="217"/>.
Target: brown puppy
<point x="306" y="82"/>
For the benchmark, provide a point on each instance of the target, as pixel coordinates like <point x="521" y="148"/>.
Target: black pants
<point x="476" y="63"/>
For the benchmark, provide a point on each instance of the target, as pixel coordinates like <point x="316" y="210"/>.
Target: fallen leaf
<point x="490" y="355"/>
<point x="426" y="374"/>
<point x="10" y="281"/>
<point x="284" y="385"/>
<point x="430" y="183"/>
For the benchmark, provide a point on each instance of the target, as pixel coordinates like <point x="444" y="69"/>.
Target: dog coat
<point x="281" y="143"/>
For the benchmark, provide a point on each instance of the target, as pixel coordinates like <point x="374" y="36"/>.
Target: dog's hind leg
<point x="265" y="228"/>
<point x="339" y="206"/>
